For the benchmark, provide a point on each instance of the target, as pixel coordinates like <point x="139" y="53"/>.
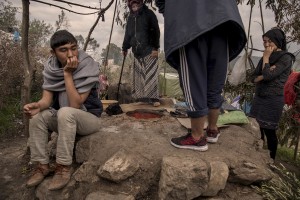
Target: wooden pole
<point x="262" y="17"/>
<point x="249" y="28"/>
<point x="297" y="144"/>
<point x="28" y="72"/>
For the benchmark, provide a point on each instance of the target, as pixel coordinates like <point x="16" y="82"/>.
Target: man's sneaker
<point x="38" y="175"/>
<point x="212" y="135"/>
<point x="61" y="177"/>
<point x="188" y="142"/>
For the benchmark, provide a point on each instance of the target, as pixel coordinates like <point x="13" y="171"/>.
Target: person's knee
<point x="35" y="120"/>
<point x="39" y="118"/>
<point x="65" y="113"/>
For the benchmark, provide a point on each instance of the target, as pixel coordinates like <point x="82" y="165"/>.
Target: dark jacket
<point x="274" y="80"/>
<point x="142" y="33"/>
<point x="92" y="103"/>
<point x="187" y="20"/>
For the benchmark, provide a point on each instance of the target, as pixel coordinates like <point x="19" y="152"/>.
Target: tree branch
<point x="75" y="4"/>
<point x="96" y="22"/>
<point x="64" y="8"/>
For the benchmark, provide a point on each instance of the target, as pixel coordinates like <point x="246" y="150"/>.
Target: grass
<point x="8" y="115"/>
<point x="287" y="154"/>
<point x="284" y="187"/>
<point x="11" y="113"/>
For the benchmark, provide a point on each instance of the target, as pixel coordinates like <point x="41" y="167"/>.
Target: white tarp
<point x="238" y="73"/>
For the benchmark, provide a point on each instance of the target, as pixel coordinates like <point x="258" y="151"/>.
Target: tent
<point x="169" y="85"/>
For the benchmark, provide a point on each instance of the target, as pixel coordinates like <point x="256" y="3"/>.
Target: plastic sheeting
<point x="169" y="85"/>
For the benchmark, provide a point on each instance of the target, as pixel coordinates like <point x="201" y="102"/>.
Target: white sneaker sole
<point x="213" y="140"/>
<point x="196" y="148"/>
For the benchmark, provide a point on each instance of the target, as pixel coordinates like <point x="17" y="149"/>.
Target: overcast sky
<point x="81" y="24"/>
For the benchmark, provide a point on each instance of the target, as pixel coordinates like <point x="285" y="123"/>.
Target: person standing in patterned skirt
<point x="142" y="35"/>
<point x="269" y="77"/>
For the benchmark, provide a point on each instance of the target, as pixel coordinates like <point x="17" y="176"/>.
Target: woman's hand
<point x="268" y="51"/>
<point x="272" y="68"/>
<point x="258" y="79"/>
<point x="154" y="54"/>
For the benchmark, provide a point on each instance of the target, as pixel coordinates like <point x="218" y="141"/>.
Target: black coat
<point x="274" y="80"/>
<point x="142" y="33"/>
<point x="186" y="20"/>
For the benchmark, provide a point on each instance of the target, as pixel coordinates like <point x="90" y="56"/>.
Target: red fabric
<point x="296" y="117"/>
<point x="289" y="92"/>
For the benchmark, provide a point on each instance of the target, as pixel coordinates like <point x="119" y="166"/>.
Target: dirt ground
<point x="15" y="169"/>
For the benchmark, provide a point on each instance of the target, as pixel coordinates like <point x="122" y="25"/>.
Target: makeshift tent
<point x="169" y="85"/>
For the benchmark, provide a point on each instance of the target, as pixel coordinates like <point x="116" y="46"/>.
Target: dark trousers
<point x="272" y="140"/>
<point x="202" y="71"/>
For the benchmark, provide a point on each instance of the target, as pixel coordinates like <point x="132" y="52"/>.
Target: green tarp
<point x="169" y="85"/>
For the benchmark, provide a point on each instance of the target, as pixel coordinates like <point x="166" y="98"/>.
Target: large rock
<point x="119" y="167"/>
<point x="218" y="177"/>
<point x="247" y="173"/>
<point x="107" y="196"/>
<point x="87" y="173"/>
<point x="148" y="141"/>
<point x="183" y="178"/>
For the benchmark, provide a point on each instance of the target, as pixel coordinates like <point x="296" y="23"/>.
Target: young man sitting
<point x="69" y="106"/>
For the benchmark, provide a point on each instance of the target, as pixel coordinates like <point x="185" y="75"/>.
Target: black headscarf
<point x="130" y="2"/>
<point x="277" y="36"/>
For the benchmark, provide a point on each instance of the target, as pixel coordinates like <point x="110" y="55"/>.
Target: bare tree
<point x="62" y="21"/>
<point x="287" y="17"/>
<point x="100" y="14"/>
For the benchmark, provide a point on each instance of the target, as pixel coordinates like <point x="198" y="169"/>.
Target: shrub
<point x="287" y="154"/>
<point x="284" y="187"/>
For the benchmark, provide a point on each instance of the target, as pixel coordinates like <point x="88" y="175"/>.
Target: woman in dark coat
<point x="142" y="35"/>
<point x="270" y="76"/>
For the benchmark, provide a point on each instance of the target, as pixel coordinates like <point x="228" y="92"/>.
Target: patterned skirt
<point x="145" y="79"/>
<point x="267" y="110"/>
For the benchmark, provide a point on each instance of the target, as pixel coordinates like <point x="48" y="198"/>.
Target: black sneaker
<point x="188" y="142"/>
<point x="212" y="135"/>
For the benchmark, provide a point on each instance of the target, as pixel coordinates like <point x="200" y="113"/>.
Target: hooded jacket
<point x="187" y="20"/>
<point x="142" y="32"/>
